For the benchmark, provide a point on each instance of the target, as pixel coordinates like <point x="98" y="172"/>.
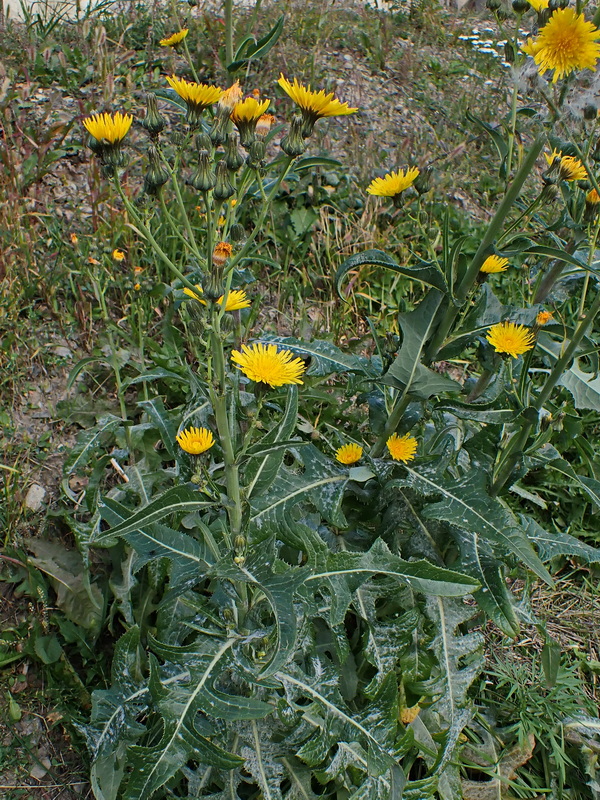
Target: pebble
<point x="35" y="497"/>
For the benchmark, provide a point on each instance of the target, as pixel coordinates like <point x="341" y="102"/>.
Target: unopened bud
<point x="153" y="122"/>
<point x="554" y="5"/>
<point x="205" y="179"/>
<point x="592" y="206"/>
<point x="256" y="154"/>
<point x="590" y="111"/>
<point x="422" y="182"/>
<point x="493" y="5"/>
<point x="293" y="143"/>
<point x="233" y="158"/>
<point x="219" y="129"/>
<point x="510" y="53"/>
<point x="239" y="543"/>
<point x="156" y="175"/>
<point x="203" y="142"/>
<point x="520" y="6"/>
<point x="237" y="232"/>
<point x="223" y="186"/>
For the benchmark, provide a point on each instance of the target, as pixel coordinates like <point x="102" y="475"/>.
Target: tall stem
<point x="229" y="34"/>
<point x="492" y="231"/>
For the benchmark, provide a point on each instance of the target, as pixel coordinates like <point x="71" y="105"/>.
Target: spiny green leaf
<point x="466" y="504"/>
<point x="88" y="441"/>
<point x="407" y="373"/>
<point x="558" y="543"/>
<point x="423" y="272"/>
<point x="325" y="358"/>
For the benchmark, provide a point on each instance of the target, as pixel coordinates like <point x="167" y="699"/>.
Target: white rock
<point x="35" y="497"/>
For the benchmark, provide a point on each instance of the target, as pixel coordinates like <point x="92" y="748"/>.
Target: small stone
<point x="35" y="497"/>
<point x="40" y="769"/>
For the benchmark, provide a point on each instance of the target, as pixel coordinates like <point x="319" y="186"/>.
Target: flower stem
<point x="491" y="233"/>
<point x="229" y="34"/>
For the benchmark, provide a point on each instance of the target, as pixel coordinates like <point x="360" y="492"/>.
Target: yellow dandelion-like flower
<point x="175" y="39"/>
<point x="543" y="318"/>
<point x="402" y="448"/>
<point x="565" y="43"/>
<point x="349" y="453"/>
<point x="494" y="264"/>
<point x="315" y="104"/>
<point x="538" y="5"/>
<point x="266" y="364"/>
<point x="197" y="96"/>
<point x="118" y="255"/>
<point x="592" y="197"/>
<point x="510" y="338"/>
<point x="249" y="110"/>
<point x="408" y="715"/>
<point x="195" y="440"/>
<point x="236" y="299"/>
<point x="571" y="169"/>
<point x="550" y="159"/>
<point x="108" y="128"/>
<point x="393" y="184"/>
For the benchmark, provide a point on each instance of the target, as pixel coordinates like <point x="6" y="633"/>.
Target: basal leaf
<point x="324" y="357"/>
<point x="466" y="504"/>
<point x="89" y="441"/>
<point x="558" y="543"/>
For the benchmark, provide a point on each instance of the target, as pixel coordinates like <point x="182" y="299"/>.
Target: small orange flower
<point x="118" y="255"/>
<point x="74" y="239"/>
<point x="221" y="253"/>
<point x="543" y="318"/>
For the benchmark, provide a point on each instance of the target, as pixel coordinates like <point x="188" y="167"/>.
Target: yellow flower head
<point x="571" y="169"/>
<point x="195" y="440"/>
<point x="494" y="264"/>
<point x="175" y="39"/>
<point x="592" y="197"/>
<point x="565" y="43"/>
<point x="249" y="110"/>
<point x="538" y="5"/>
<point x="74" y="238"/>
<point x="552" y="157"/>
<point x="118" y="255"/>
<point x="510" y="338"/>
<point x="314" y="104"/>
<point x="349" y="453"/>
<point x="543" y="318"/>
<point x="266" y="364"/>
<point x="108" y="129"/>
<point x="402" y="448"/>
<point x="230" y="97"/>
<point x="393" y="184"/>
<point x="197" y="96"/>
<point x="236" y="299"/>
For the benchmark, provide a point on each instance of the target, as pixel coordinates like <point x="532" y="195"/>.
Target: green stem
<point x="147" y="234"/>
<point x="262" y="216"/>
<point x="229" y="34"/>
<point x="391" y="424"/>
<point x="517" y="443"/>
<point x="188" y="58"/>
<point x="492" y="231"/>
<point x="513" y="114"/>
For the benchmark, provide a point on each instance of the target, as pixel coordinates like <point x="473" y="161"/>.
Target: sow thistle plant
<point x="298" y="610"/>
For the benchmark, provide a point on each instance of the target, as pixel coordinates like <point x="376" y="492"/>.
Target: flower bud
<point x="205" y="179"/>
<point x="493" y="5"/>
<point x="293" y="143"/>
<point x="219" y="129"/>
<point x="223" y="186"/>
<point x="592" y="206"/>
<point x="554" y="5"/>
<point x="203" y="142"/>
<point x="237" y="232"/>
<point x="256" y="155"/>
<point x="153" y="122"/>
<point x="156" y="175"/>
<point x="422" y="182"/>
<point x="590" y="111"/>
<point x="233" y="157"/>
<point x="520" y="6"/>
<point x="510" y="54"/>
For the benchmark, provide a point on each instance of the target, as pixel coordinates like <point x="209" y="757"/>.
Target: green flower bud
<point x="256" y="154"/>
<point x="237" y="233"/>
<point x="233" y="157"/>
<point x="203" y="142"/>
<point x="590" y="111"/>
<point x="219" y="129"/>
<point x="493" y="5"/>
<point x="205" y="179"/>
<point x="510" y="54"/>
<point x="153" y="122"/>
<point x="520" y="6"/>
<point x="157" y="174"/>
<point x="293" y="143"/>
<point x="422" y="182"/>
<point x="223" y="186"/>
